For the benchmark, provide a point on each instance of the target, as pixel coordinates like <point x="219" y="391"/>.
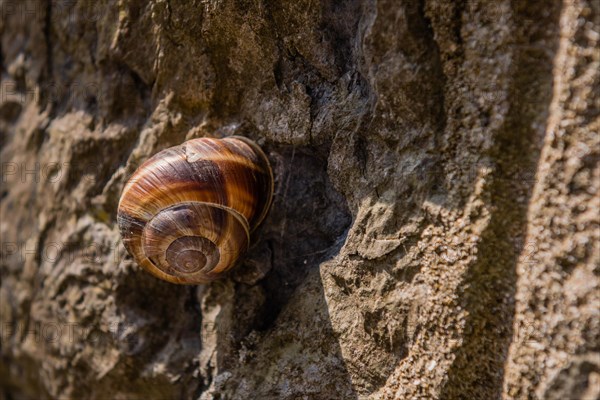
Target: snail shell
<point x="186" y="214"/>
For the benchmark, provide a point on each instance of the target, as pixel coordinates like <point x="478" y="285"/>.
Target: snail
<point x="186" y="214"/>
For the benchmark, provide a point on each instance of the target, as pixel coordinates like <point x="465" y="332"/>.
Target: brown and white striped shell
<point x="186" y="214"/>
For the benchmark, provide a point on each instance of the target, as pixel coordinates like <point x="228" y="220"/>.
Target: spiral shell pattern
<point x="186" y="214"/>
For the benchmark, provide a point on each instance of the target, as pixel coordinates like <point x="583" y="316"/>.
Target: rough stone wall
<point x="434" y="232"/>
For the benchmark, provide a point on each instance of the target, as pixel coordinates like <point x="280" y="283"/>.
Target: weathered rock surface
<point x="435" y="228"/>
